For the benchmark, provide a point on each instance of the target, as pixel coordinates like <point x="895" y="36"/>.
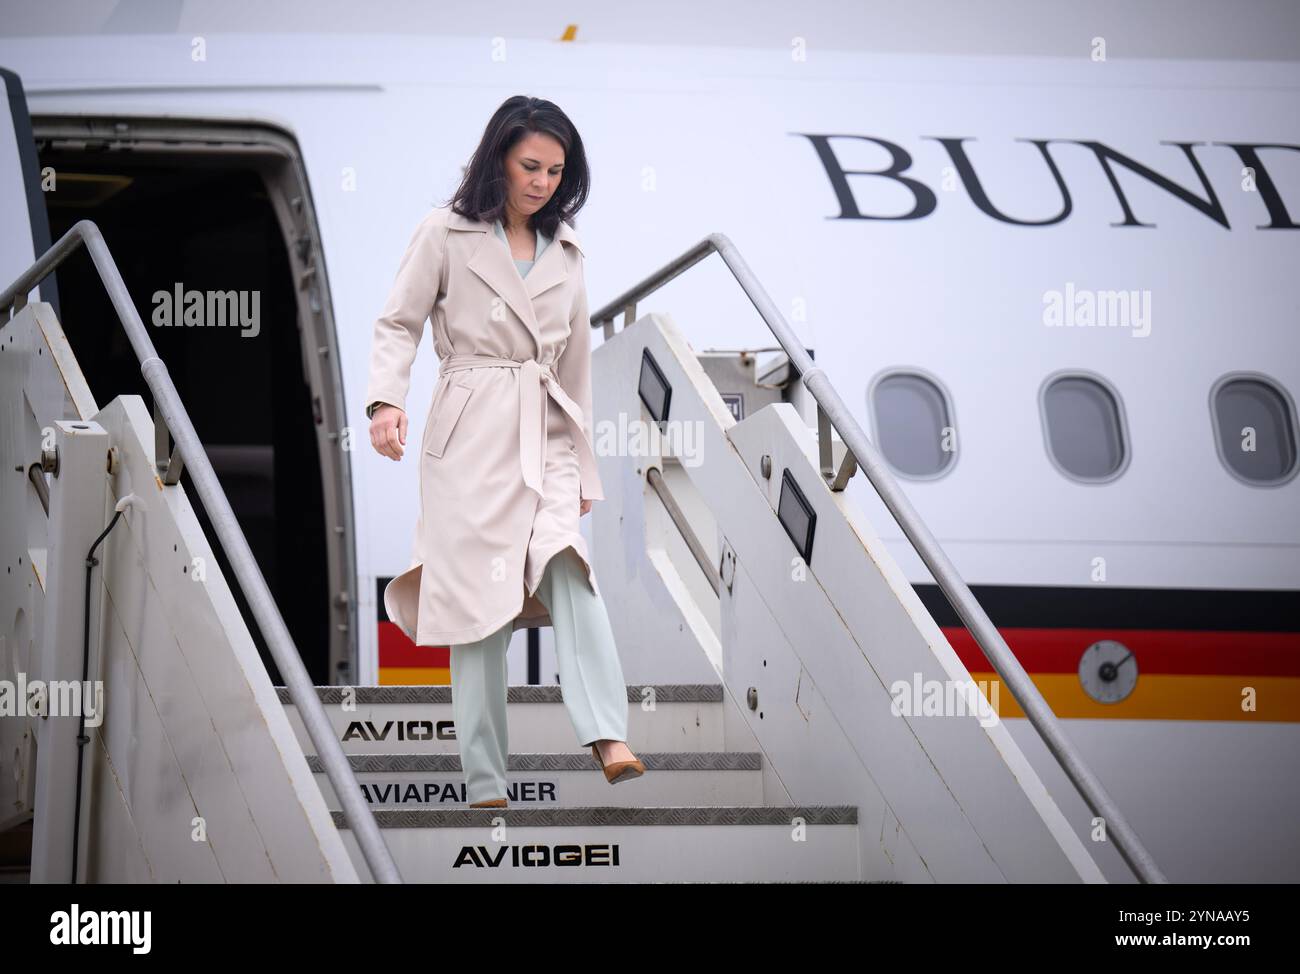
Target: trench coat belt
<point x="535" y="380"/>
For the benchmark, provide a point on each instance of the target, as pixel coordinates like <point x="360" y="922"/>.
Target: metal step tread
<point x="553" y="761"/>
<point x="515" y="693"/>
<point x="611" y="815"/>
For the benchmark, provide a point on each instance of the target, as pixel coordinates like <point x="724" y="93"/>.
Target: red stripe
<point x="396" y="650"/>
<point x="1192" y="651"/>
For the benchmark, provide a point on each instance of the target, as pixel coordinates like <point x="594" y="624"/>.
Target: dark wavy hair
<point x="482" y="192"/>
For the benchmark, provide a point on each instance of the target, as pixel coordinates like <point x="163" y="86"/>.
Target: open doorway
<point x="219" y="207"/>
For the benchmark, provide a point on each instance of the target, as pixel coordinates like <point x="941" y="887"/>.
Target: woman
<point x="506" y="464"/>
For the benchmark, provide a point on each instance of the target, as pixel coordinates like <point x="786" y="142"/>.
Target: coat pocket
<point x="445" y="419"/>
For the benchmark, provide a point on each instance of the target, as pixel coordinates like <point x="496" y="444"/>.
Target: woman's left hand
<point x="584" y="507"/>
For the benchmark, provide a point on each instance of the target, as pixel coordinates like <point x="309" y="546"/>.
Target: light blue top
<point x="524" y="266"/>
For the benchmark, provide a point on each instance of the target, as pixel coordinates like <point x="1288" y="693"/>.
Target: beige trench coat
<point x="507" y="450"/>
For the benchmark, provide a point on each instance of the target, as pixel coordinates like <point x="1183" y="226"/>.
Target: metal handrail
<point x="167" y="402"/>
<point x="654" y="476"/>
<point x="954" y="587"/>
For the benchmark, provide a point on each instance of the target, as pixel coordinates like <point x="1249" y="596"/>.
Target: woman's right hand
<point x="388" y="431"/>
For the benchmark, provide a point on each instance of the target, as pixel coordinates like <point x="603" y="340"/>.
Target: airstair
<point x="770" y="641"/>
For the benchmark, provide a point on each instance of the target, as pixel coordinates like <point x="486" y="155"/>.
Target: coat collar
<point x="492" y="262"/>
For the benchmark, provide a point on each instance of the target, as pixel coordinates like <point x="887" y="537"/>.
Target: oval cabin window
<point x="1084" y="428"/>
<point x="913" y="424"/>
<point x="1255" y="430"/>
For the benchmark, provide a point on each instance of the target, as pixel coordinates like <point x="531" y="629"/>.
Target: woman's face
<point x="534" y="166"/>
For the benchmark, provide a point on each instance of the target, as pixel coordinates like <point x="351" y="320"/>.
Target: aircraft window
<point x="1084" y="427"/>
<point x="912" y="421"/>
<point x="1255" y="429"/>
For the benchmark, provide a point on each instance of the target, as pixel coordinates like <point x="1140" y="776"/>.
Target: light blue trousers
<point x="591" y="678"/>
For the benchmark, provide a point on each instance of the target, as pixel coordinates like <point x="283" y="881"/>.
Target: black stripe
<point x="1102" y="607"/>
<point x="1114" y="607"/>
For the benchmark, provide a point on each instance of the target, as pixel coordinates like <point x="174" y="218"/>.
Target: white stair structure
<point x="762" y="625"/>
<point x="181" y="765"/>
<point x="191" y="771"/>
<point x="697" y="815"/>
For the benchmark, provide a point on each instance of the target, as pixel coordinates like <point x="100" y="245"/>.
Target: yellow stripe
<point x="1163" y="697"/>
<point x="420" y="676"/>
<point x="1156" y="696"/>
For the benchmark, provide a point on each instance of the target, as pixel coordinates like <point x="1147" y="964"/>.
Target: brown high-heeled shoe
<point x="619" y="770"/>
<point x="494" y="803"/>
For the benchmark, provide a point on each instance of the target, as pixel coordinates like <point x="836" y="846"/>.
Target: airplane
<point x="1054" y="288"/>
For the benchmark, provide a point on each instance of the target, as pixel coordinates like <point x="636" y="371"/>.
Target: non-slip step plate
<point x="515" y="693"/>
<point x="620" y="845"/>
<point x="408" y="719"/>
<point x="555" y="780"/>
